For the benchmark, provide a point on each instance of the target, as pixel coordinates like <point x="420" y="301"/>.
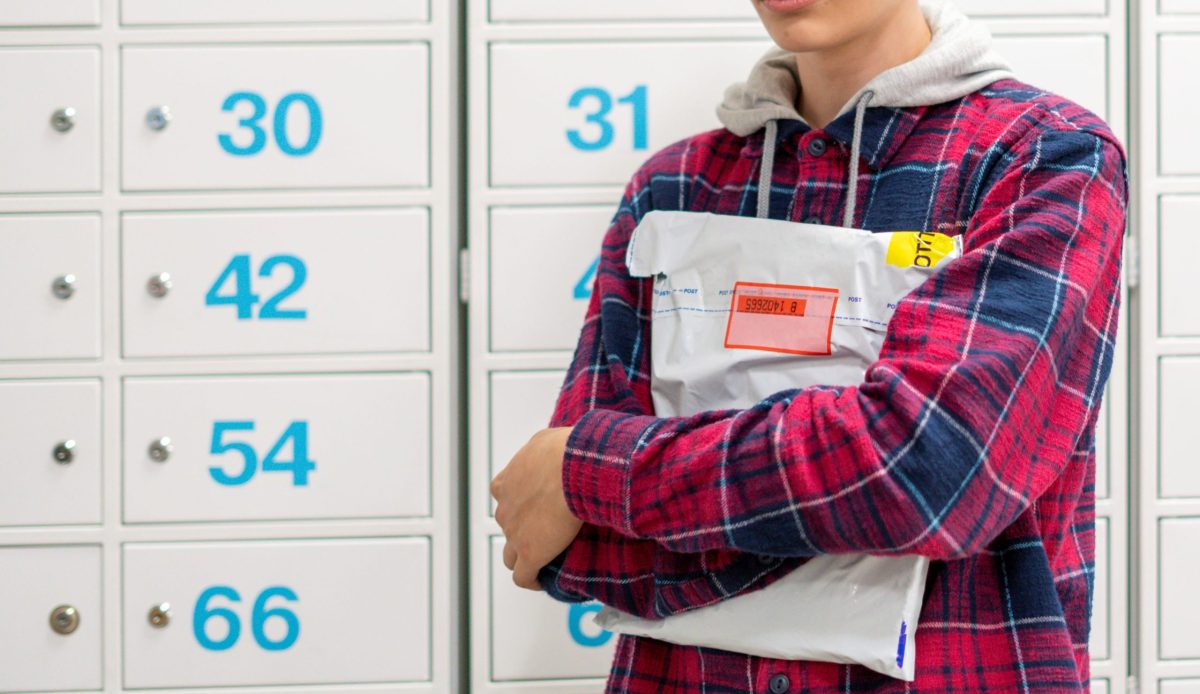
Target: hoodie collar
<point x="958" y="60"/>
<point x="878" y="118"/>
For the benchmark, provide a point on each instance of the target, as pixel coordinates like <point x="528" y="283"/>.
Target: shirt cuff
<point x="596" y="467"/>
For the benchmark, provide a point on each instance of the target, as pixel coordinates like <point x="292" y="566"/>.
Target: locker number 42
<point x="238" y="273"/>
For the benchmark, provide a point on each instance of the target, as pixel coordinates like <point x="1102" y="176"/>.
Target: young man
<point x="969" y="441"/>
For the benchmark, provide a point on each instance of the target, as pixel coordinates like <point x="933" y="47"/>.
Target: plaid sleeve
<point x="609" y="372"/>
<point x="987" y="378"/>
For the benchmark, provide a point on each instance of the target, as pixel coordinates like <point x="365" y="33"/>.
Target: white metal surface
<point x="651" y="93"/>
<point x="1179" y="246"/>
<point x="344" y="611"/>
<point x="316" y="281"/>
<point x="623" y="10"/>
<point x="366" y="437"/>
<point x="1168" y="503"/>
<point x="1179" y="6"/>
<point x="35" y="418"/>
<point x="34" y="13"/>
<point x="35" y="250"/>
<point x="1178" y="141"/>
<point x="541" y="268"/>
<point x="276" y="116"/>
<point x="538" y="639"/>
<point x="1178" y="458"/>
<point x="1034" y="8"/>
<point x="1179" y="609"/>
<point x="33" y="582"/>
<point x="271" y="11"/>
<point x="431" y="95"/>
<point x="47" y="80"/>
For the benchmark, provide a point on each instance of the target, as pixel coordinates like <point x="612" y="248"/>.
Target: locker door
<point x="1169" y="342"/>
<point x="276" y="612"/>
<point x="54" y="128"/>
<point x="275" y="116"/>
<point x="170" y="12"/>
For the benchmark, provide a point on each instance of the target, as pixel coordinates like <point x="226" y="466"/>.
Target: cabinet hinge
<point x="464" y="275"/>
<point x="1132" y="265"/>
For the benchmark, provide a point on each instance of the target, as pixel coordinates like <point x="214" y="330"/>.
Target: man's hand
<point x="531" y="508"/>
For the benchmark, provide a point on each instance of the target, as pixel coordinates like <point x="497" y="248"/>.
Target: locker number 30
<point x="251" y="136"/>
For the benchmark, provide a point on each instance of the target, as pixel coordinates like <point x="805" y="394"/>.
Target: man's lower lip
<point x="787" y="5"/>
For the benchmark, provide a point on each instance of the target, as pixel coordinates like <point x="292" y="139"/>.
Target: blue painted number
<point x="315" y="124"/>
<point x="202" y="613"/>
<point x="258" y="136"/>
<point x="583" y="288"/>
<point x="244" y="298"/>
<point x="262" y="614"/>
<point x="575" y="626"/>
<point x="603" y="105"/>
<point x="233" y="625"/>
<point x="299" y="465"/>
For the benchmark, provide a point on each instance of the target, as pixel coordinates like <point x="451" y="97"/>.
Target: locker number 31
<point x="597" y="107"/>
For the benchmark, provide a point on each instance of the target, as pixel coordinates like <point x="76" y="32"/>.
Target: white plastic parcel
<point x="747" y="307"/>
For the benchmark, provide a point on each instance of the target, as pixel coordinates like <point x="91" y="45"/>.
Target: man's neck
<point x="829" y="77"/>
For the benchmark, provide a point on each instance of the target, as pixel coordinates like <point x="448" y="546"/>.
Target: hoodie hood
<point x="958" y="60"/>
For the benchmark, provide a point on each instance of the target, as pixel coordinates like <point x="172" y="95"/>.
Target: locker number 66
<point x="205" y="613"/>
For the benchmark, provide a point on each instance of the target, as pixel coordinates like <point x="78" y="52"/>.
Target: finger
<point x="510" y="555"/>
<point x="525" y="575"/>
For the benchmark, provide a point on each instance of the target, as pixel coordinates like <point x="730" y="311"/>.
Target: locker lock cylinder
<point x="64" y="452"/>
<point x="160" y="450"/>
<point x="159" y="285"/>
<point x="158" y="118"/>
<point x="63" y="286"/>
<point x="160" y="615"/>
<point x="63" y="119"/>
<point x="64" y="619"/>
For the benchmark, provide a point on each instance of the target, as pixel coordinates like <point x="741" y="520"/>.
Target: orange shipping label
<point x="781" y="318"/>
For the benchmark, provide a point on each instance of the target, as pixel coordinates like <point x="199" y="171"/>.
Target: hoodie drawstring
<point x="767" y="166"/>
<point x="766" y="169"/>
<point x="860" y="111"/>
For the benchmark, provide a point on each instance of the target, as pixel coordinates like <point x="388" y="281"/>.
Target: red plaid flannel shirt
<point x="969" y="441"/>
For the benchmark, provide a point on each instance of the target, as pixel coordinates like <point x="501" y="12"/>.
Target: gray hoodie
<point x="958" y="60"/>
